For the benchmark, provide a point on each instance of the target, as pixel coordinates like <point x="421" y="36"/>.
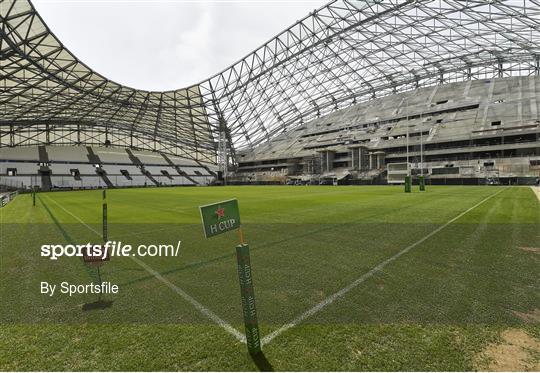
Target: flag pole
<point x="241" y="235"/>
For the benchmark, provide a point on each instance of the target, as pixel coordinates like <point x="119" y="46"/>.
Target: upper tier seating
<point x="19" y="154"/>
<point x="75" y="154"/>
<point x="150" y="158"/>
<point x="112" y="155"/>
<point x="182" y="161"/>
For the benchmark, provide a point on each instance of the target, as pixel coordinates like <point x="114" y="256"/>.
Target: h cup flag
<point x="220" y="217"/>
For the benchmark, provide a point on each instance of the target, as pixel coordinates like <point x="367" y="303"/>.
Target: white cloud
<point x="162" y="45"/>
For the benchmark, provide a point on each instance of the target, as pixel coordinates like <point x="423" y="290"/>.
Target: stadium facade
<point x="357" y="91"/>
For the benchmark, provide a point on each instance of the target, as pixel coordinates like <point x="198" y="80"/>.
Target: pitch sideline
<point x="201" y="308"/>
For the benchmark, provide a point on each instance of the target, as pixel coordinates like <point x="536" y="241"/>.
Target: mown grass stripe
<point x="332" y="298"/>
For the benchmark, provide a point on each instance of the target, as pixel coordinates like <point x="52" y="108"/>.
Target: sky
<point x="167" y="44"/>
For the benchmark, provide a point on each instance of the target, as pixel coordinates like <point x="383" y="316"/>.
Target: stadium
<point x="318" y="134"/>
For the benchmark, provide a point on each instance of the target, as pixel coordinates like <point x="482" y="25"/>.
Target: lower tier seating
<point x="79" y="167"/>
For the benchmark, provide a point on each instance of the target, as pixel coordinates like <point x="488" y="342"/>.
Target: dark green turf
<point x="431" y="309"/>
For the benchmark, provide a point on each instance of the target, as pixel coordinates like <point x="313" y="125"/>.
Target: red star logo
<point x="220" y="212"/>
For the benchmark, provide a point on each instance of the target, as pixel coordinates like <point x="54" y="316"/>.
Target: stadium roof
<point x="341" y="54"/>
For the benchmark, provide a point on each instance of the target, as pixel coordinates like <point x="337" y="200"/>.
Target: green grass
<point x="434" y="308"/>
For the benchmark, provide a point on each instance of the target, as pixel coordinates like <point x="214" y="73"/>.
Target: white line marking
<point x="536" y="190"/>
<point x="205" y="311"/>
<point x="76" y="217"/>
<point x="332" y="298"/>
<point x="202" y="309"/>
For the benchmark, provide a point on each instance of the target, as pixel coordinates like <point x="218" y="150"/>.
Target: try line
<point x="332" y="298"/>
<point x="198" y="306"/>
